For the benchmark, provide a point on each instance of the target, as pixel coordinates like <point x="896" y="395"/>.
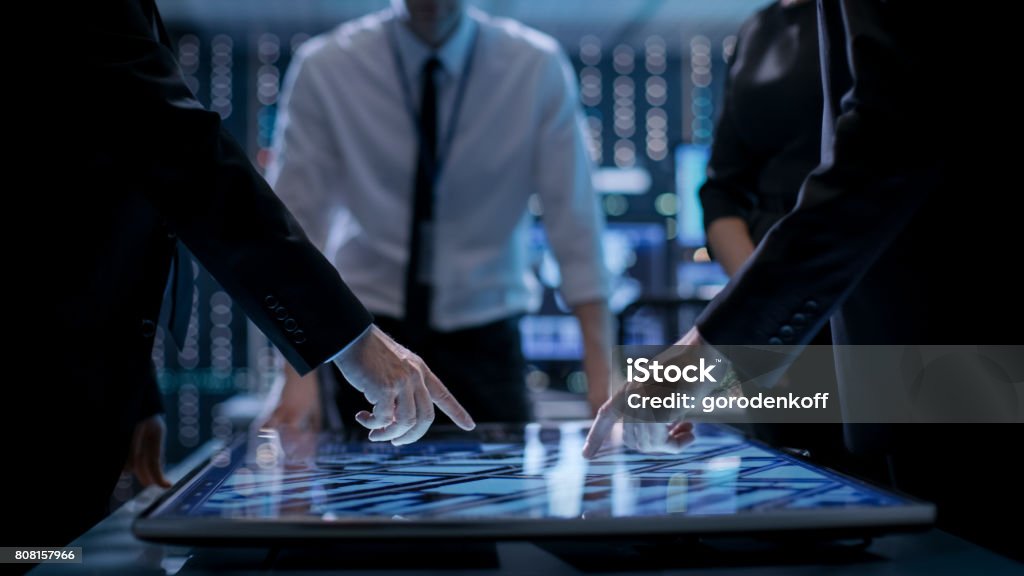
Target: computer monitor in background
<point x="697" y="276"/>
<point x="691" y="169"/>
<point x="635" y="256"/>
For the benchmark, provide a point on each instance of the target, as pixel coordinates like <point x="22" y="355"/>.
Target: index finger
<point x="607" y="416"/>
<point x="444" y="399"/>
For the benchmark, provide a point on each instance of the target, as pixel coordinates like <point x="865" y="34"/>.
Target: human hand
<point x="598" y="383"/>
<point x="298" y="404"/>
<point x="401" y="388"/>
<point x="657" y="437"/>
<point x="145" y="455"/>
<point x="643" y="436"/>
<point x="649" y="437"/>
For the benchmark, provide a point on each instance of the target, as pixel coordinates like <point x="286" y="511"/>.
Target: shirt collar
<point x="453" y="54"/>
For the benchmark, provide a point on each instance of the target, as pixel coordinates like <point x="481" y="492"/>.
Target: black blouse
<point x="769" y="134"/>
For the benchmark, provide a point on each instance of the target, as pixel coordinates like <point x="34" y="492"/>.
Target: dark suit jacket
<point x="906" y="232"/>
<point x="144" y="166"/>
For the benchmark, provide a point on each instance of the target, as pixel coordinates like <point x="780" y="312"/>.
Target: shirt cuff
<point x="582" y="284"/>
<point x="349" y="345"/>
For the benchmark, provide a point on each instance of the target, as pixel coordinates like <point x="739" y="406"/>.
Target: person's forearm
<point x="596" y="326"/>
<point x="730" y="241"/>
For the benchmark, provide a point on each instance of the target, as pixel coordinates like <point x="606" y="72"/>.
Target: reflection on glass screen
<point x="538" y="474"/>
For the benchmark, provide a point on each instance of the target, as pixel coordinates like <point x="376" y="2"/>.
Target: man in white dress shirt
<point x="408" y="144"/>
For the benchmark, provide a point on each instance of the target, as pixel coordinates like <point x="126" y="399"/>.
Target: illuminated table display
<point x="503" y="482"/>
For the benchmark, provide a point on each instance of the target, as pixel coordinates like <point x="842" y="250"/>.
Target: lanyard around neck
<point x="407" y="94"/>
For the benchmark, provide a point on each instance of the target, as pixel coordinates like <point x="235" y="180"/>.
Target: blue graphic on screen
<point x="691" y="171"/>
<point x="539" y="474"/>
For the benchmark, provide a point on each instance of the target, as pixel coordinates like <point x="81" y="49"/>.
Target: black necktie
<point x="417" y="281"/>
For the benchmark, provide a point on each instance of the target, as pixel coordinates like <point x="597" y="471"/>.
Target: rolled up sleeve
<point x="304" y="157"/>
<point x="572" y="217"/>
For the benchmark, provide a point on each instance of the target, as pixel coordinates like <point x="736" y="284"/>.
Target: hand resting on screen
<point x="649" y="436"/>
<point x="145" y="455"/>
<point x="298" y="404"/>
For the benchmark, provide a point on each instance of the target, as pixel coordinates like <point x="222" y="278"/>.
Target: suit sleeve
<point x="869" y="186"/>
<point x="208" y="192"/>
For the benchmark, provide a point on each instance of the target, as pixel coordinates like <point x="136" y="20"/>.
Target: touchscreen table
<point x="530" y="481"/>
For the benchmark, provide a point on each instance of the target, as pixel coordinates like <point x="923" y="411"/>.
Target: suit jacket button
<point x="280" y="312"/>
<point x="799" y="319"/>
<point x="270" y="301"/>
<point x="810" y="306"/>
<point x="148" y="328"/>
<point x="298" y="337"/>
<point x="291" y="325"/>
<point x="787" y="331"/>
<point x="775" y="341"/>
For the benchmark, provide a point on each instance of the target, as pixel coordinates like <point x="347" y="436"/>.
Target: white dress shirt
<point x="345" y="158"/>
